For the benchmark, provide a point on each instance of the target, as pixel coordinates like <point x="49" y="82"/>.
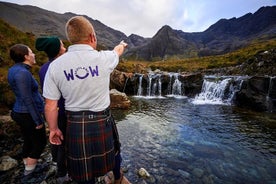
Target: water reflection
<point x="180" y="142"/>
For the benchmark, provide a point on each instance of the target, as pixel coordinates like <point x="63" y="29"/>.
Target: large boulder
<point x="257" y="93"/>
<point x="192" y="84"/>
<point x="119" y="100"/>
<point x="118" y="80"/>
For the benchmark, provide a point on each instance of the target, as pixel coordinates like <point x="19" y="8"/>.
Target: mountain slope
<point x="220" y="38"/>
<point x="166" y="42"/>
<point x="224" y="36"/>
<point x="43" y="22"/>
<point x="9" y="36"/>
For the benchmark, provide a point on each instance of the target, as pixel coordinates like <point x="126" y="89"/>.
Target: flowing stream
<point x="180" y="141"/>
<point x="201" y="140"/>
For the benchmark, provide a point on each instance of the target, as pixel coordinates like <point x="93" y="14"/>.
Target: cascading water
<point x="149" y="85"/>
<point x="140" y="89"/>
<point x="271" y="95"/>
<point x="154" y="86"/>
<point x="215" y="90"/>
<point x="177" y="85"/>
<point x="170" y="84"/>
<point x="155" y="89"/>
<point x="125" y="84"/>
<point x="175" y="89"/>
<point x="218" y="90"/>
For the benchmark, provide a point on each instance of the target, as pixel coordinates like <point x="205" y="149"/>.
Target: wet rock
<point x="208" y="179"/>
<point x="6" y="163"/>
<point x="142" y="172"/>
<point x="198" y="172"/>
<point x="118" y="79"/>
<point x="254" y="94"/>
<point x="184" y="173"/>
<point x="192" y="83"/>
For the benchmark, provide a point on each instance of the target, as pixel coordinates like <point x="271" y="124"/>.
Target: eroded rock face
<point x="192" y="84"/>
<point x="118" y="79"/>
<point x="257" y="93"/>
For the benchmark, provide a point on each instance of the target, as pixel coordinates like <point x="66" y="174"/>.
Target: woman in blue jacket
<point x="28" y="109"/>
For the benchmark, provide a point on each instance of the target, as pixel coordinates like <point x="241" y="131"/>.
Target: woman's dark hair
<point x="18" y="52"/>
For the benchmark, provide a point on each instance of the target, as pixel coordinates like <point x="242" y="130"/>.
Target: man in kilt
<point x="82" y="77"/>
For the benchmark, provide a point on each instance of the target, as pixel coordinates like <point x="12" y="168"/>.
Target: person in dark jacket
<point x="54" y="48"/>
<point x="28" y="108"/>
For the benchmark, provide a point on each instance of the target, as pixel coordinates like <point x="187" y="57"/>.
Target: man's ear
<point x="93" y="38"/>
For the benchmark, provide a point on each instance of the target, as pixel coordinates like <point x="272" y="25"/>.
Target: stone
<point x="118" y="79"/>
<point x="253" y="94"/>
<point x="142" y="172"/>
<point x="7" y="163"/>
<point x="119" y="100"/>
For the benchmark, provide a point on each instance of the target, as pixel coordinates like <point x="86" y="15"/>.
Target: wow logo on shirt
<point x="81" y="73"/>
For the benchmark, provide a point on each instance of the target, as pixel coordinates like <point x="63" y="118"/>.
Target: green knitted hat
<point x="50" y="45"/>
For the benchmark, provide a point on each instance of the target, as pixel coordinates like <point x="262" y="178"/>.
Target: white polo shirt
<point x="82" y="76"/>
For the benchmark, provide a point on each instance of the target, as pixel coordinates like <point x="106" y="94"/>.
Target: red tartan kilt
<point x="90" y="145"/>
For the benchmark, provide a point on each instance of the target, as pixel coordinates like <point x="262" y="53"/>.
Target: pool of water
<point x="178" y="141"/>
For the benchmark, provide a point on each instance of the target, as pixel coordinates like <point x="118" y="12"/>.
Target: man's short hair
<point x="78" y="29"/>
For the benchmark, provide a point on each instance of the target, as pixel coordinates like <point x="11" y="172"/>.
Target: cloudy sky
<point x="146" y="17"/>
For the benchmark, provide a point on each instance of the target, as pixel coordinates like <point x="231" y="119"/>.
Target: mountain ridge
<point x="43" y="22"/>
<point x="224" y="36"/>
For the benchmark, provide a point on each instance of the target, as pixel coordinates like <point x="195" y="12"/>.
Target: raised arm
<point x="120" y="48"/>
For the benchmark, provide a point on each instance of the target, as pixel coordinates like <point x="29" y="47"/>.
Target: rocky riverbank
<point x="11" y="165"/>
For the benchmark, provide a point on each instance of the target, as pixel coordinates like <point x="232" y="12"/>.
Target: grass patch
<point x="201" y="63"/>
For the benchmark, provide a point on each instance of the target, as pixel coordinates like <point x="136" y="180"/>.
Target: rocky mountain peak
<point x="224" y="36"/>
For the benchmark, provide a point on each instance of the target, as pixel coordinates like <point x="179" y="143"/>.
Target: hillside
<point x="258" y="58"/>
<point x="8" y="36"/>
<point x="43" y="22"/>
<point x="226" y="35"/>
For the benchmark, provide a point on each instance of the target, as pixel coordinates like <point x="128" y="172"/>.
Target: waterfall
<point x="170" y="84"/>
<point x="125" y="84"/>
<point x="149" y="85"/>
<point x="177" y="85"/>
<point x="175" y="89"/>
<point x="154" y="85"/>
<point x="159" y="86"/>
<point x="140" y="89"/>
<point x="218" y="90"/>
<point x="271" y="94"/>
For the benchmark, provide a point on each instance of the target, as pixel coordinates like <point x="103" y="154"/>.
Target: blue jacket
<point x="25" y="88"/>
